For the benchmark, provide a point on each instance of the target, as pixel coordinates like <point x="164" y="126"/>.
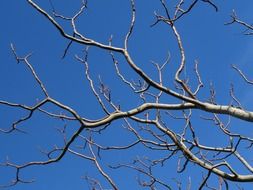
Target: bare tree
<point x="164" y="124"/>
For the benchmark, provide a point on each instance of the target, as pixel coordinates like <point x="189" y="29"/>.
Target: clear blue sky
<point x="205" y="38"/>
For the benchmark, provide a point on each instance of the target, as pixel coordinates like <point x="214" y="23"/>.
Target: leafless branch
<point x="148" y="122"/>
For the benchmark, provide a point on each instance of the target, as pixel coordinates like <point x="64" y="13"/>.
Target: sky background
<point x="205" y="39"/>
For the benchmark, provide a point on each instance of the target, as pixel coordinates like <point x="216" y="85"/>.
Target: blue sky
<point x="204" y="36"/>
